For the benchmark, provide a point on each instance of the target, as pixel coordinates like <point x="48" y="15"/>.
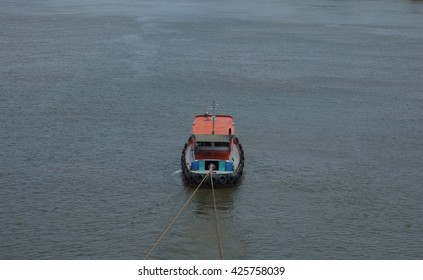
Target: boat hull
<point x="219" y="177"/>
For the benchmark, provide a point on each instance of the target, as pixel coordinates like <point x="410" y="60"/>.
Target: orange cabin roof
<point x="223" y="125"/>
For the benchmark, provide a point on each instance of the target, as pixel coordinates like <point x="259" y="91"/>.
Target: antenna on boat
<point x="213" y="107"/>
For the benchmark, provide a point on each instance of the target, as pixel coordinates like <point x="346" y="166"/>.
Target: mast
<point x="213" y="107"/>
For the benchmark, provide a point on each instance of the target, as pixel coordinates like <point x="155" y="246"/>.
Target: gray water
<point x="97" y="100"/>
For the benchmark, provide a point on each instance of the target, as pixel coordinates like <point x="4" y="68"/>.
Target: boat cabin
<point x="212" y="137"/>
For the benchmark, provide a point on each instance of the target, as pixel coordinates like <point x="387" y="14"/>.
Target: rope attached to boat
<point x="217" y="219"/>
<point x="177" y="215"/>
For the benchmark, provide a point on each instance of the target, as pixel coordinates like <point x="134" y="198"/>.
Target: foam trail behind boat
<point x="177" y="172"/>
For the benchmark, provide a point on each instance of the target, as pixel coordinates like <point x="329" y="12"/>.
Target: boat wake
<point x="177" y="172"/>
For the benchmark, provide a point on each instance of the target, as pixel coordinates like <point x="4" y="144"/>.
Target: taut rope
<point x="217" y="219"/>
<point x="177" y="215"/>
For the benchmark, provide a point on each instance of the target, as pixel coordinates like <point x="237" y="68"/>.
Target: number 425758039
<point x="258" y="270"/>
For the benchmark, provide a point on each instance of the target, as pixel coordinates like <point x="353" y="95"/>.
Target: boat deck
<point x="221" y="155"/>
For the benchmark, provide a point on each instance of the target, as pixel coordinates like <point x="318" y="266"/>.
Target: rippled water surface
<point x="97" y="99"/>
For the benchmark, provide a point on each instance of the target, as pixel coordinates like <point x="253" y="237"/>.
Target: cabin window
<point x="221" y="144"/>
<point x="213" y="144"/>
<point x="204" y="144"/>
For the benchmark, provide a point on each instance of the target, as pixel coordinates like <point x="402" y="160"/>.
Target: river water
<point x="97" y="100"/>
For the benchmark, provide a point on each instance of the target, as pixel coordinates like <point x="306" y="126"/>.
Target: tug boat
<point x="212" y="147"/>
